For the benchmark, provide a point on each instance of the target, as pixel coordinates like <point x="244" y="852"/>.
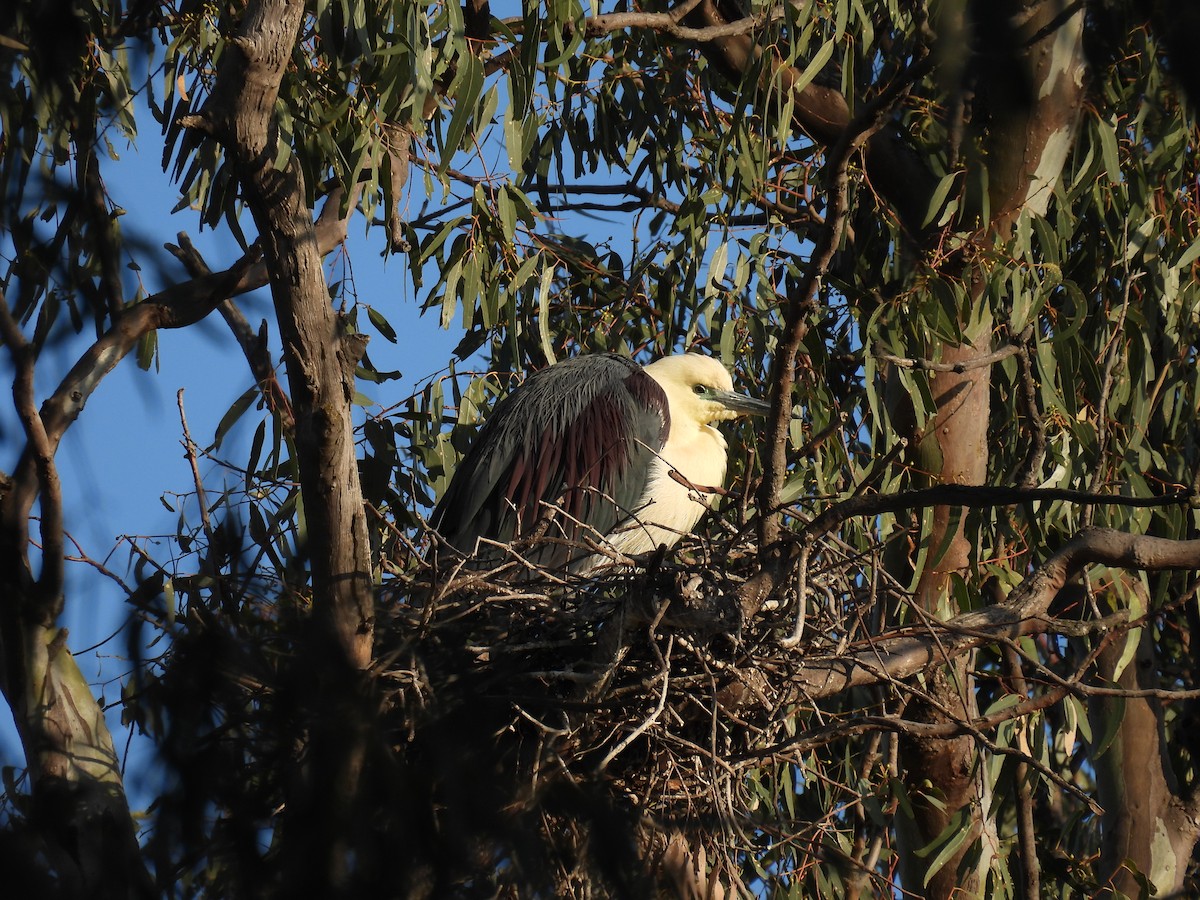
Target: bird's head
<point x="699" y="389"/>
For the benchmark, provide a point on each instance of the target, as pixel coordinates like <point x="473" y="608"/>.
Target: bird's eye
<point x="698" y="389"/>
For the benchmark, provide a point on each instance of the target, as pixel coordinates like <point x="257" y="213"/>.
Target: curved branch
<point x="959" y="367"/>
<point x="1024" y="612"/>
<point x="177" y="306"/>
<point x="892" y="166"/>
<point x="45" y="473"/>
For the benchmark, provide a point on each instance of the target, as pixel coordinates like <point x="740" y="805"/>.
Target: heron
<point x="595" y="446"/>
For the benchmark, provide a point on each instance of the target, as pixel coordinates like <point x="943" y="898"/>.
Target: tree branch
<point x="892" y="166"/>
<point x="668" y="23"/>
<point x="40" y="451"/>
<point x="800" y="306"/>
<point x="176" y="307"/>
<point x="958" y="367"/>
<point x="1024" y="612"/>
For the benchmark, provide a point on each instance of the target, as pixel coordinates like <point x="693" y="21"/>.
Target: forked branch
<point x="1025" y="611"/>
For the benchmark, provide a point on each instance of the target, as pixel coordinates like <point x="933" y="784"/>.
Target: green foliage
<point x="557" y="190"/>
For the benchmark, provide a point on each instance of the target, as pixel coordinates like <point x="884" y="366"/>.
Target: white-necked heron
<point x="595" y="446"/>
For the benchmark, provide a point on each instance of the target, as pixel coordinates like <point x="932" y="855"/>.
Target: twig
<point x="175" y="307"/>
<point x="793" y="640"/>
<point x="813" y="738"/>
<point x="641" y="729"/>
<point x="189" y="449"/>
<point x="879" y="466"/>
<point x="1031" y="469"/>
<point x="99" y="217"/>
<point x="958" y="368"/>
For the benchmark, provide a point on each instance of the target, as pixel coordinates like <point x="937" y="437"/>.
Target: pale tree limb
<point x="669" y="23"/>
<point x="74" y="774"/>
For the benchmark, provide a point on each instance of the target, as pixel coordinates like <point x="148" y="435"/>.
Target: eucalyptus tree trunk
<point x="953" y="449"/>
<point x="1027" y="106"/>
<point x="1150" y="827"/>
<point x="320" y="361"/>
<point x="79" y="806"/>
<point x="320" y="817"/>
<point x="86" y="834"/>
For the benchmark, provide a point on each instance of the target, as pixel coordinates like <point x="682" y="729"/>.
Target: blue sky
<point x="125" y="452"/>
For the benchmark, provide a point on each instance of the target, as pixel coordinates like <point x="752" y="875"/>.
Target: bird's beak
<point x="740" y="403"/>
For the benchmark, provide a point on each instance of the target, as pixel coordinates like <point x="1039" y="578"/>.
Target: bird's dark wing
<point x="579" y="435"/>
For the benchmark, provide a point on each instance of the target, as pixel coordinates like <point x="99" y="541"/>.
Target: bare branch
<point x="959" y="367"/>
<point x="239" y="114"/>
<point x="800" y="306"/>
<point x="669" y="23"/>
<point x="1024" y="612"/>
<point x="827" y="734"/>
<point x="40" y="452"/>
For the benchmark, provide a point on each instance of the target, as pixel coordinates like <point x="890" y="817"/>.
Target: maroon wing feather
<point x="579" y="435"/>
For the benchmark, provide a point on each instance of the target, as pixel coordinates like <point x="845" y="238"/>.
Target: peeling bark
<point x="1030" y="116"/>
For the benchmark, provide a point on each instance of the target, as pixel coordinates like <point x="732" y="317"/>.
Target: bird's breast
<point x="678" y="492"/>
